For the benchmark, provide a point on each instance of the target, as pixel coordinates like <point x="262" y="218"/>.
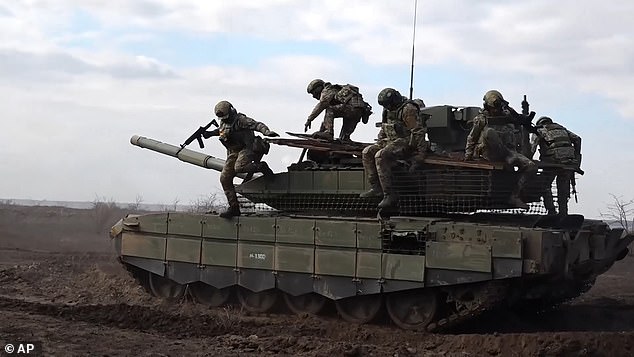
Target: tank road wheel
<point x="166" y="288"/>
<point x="262" y="301"/>
<point x="360" y="309"/>
<point x="310" y="303"/>
<point x="208" y="295"/>
<point x="412" y="310"/>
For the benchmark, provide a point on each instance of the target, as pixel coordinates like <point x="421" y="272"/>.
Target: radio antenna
<point x="411" y="76"/>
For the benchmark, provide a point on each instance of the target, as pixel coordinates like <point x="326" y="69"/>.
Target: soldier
<point x="402" y="136"/>
<point x="339" y="101"/>
<point x="236" y="134"/>
<point x="557" y="145"/>
<point x="492" y="137"/>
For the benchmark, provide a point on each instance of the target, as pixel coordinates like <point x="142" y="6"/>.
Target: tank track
<point x="453" y="308"/>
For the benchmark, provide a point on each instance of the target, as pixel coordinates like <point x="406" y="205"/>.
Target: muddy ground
<point x="61" y="285"/>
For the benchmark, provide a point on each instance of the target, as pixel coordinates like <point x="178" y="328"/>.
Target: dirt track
<point x="60" y="284"/>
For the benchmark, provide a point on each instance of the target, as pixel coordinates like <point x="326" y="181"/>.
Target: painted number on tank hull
<point x="258" y="256"/>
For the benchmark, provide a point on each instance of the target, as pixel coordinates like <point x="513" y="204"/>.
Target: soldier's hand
<point x="468" y="157"/>
<point x="307" y="126"/>
<point x="272" y="134"/>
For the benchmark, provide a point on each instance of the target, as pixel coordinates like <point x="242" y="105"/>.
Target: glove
<point x="307" y="126"/>
<point x="365" y="119"/>
<point x="272" y="134"/>
<point x="468" y="157"/>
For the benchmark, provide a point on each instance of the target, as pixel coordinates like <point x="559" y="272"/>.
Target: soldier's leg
<point x="547" y="194"/>
<point x="326" y="130"/>
<point x="247" y="162"/>
<point x="369" y="168"/>
<point x="385" y="159"/>
<point x="563" y="191"/>
<point x="350" y="121"/>
<point x="226" y="180"/>
<point x="527" y="169"/>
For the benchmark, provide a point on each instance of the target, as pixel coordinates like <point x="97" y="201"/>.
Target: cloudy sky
<point x="79" y="78"/>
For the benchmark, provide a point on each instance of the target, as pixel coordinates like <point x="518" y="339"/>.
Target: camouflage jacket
<point x="504" y="125"/>
<point x="404" y="125"/>
<point x="556" y="144"/>
<point x="238" y="135"/>
<point x="346" y="98"/>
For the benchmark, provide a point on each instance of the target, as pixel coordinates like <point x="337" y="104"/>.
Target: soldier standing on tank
<point x="236" y="134"/>
<point x="493" y="137"/>
<point x="402" y="136"/>
<point x="339" y="101"/>
<point x="557" y="145"/>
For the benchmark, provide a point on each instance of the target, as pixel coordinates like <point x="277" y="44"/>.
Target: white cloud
<point x="79" y="105"/>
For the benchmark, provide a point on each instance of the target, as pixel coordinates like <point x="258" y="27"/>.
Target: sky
<point x="79" y="78"/>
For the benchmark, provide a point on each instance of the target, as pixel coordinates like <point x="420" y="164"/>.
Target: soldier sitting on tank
<point x="557" y="145"/>
<point x="236" y="134"/>
<point x="402" y="136"/>
<point x="492" y="137"/>
<point x="339" y="101"/>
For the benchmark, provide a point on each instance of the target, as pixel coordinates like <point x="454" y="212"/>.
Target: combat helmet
<point x="314" y="84"/>
<point x="493" y="99"/>
<point x="543" y="121"/>
<point x="224" y="110"/>
<point x="389" y="98"/>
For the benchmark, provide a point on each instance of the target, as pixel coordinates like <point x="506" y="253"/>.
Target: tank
<point x="451" y="250"/>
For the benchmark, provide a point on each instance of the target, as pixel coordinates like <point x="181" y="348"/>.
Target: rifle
<point x="198" y="134"/>
<point x="573" y="183"/>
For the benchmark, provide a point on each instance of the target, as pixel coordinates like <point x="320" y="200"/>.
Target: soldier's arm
<point x="576" y="142"/>
<point x="209" y="134"/>
<point x="410" y="116"/>
<point x="324" y="102"/>
<point x="474" y="135"/>
<point x="251" y="124"/>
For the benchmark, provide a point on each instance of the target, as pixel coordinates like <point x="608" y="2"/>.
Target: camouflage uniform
<point x="402" y="136"/>
<point x="243" y="151"/>
<point x="338" y="102"/>
<point x="557" y="145"/>
<point x="493" y="137"/>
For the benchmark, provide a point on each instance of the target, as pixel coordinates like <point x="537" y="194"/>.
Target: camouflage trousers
<point x="351" y="117"/>
<point x="238" y="161"/>
<point x="563" y="178"/>
<point x="378" y="160"/>
<point x="492" y="148"/>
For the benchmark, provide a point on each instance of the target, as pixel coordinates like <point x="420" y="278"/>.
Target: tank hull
<point x="450" y="269"/>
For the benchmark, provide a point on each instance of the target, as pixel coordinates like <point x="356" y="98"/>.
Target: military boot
<point x="323" y="135"/>
<point x="345" y="136"/>
<point x="390" y="200"/>
<point x="375" y="188"/>
<point x="232" y="211"/>
<point x="234" y="205"/>
<point x="549" y="204"/>
<point x="264" y="168"/>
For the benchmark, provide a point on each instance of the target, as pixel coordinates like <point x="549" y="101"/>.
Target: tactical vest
<point x="503" y="125"/>
<point x="233" y="137"/>
<point x="558" y="145"/>
<point x="345" y="93"/>
<point x="393" y="126"/>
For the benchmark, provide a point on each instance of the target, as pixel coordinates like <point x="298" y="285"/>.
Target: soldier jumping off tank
<point x="557" y="145"/>
<point x="339" y="101"/>
<point x="236" y="134"/>
<point x="402" y="136"/>
<point x="493" y="138"/>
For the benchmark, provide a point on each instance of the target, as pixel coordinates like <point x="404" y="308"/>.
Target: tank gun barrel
<point x="183" y="154"/>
